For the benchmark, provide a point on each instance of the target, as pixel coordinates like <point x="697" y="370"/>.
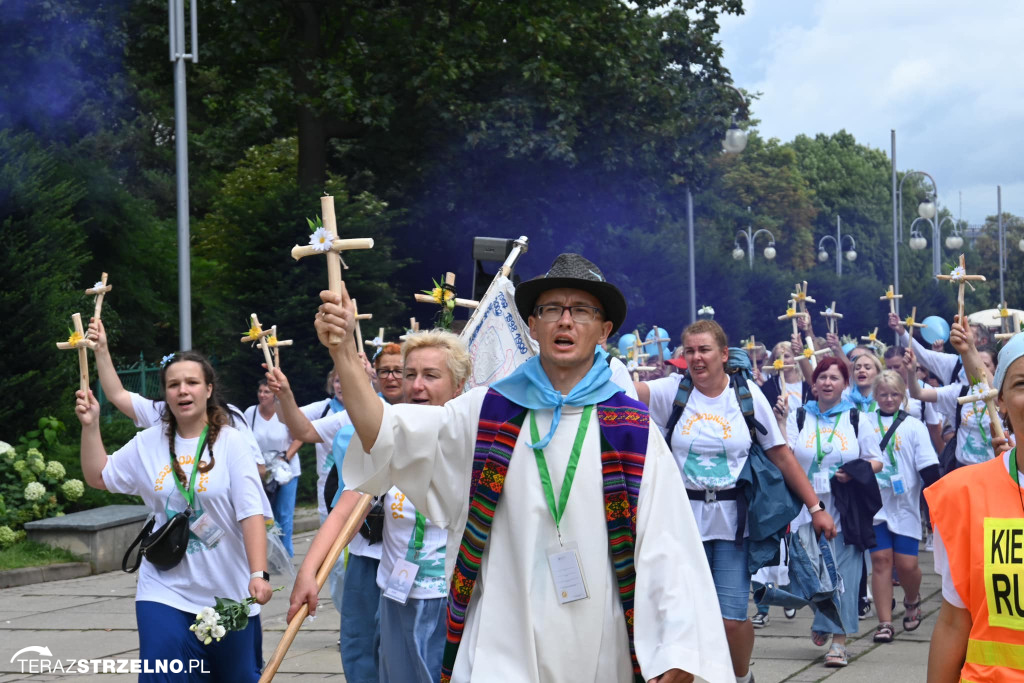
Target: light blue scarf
<point x="530" y="387"/>
<point x="858" y="399"/>
<point x="843" y="406"/>
<point x="336" y="405"/>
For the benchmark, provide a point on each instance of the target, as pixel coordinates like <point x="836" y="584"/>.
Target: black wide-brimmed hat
<point x="572" y="271"/>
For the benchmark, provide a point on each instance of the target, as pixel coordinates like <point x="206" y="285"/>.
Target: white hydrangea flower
<point x="72" y="489"/>
<point x="35" y="491"/>
<point x="321" y="240"/>
<point x="6" y="448"/>
<point x="55" y="469"/>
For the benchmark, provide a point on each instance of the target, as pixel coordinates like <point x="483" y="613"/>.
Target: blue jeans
<point x="412" y="638"/>
<point x="728" y="564"/>
<point x="849" y="566"/>
<point x="164" y="635"/>
<point x="284" y="512"/>
<point x="360" y="620"/>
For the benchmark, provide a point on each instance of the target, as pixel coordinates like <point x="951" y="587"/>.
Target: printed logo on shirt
<point x="1004" y="572"/>
<point x="885" y="476"/>
<point x="973" y="421"/>
<point x="707" y="463"/>
<point x="396" y="507"/>
<point x="839" y="443"/>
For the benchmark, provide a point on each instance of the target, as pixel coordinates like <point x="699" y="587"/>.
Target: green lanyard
<point x="416" y="542"/>
<point x="817" y="435"/>
<point x="570" y="470"/>
<point x="889" y="448"/>
<point x="1013" y="466"/>
<point x="189" y="494"/>
<point x="981" y="426"/>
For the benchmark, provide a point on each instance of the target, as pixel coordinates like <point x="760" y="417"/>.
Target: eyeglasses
<point x="390" y="372"/>
<point x="552" y="313"/>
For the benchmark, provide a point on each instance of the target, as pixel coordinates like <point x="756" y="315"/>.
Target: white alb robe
<point x="515" y="628"/>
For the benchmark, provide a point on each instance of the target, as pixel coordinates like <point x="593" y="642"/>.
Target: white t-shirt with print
<point x="314" y="411"/>
<point x="710" y="444"/>
<point x="795" y="394"/>
<point x="972" y="446"/>
<point x="272" y="435"/>
<point x="912" y="452"/>
<point x="229" y="492"/>
<point x="846" y="446"/>
<point x="621" y="376"/>
<point x="399" y="525"/>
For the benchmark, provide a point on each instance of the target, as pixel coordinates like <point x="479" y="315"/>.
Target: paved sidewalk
<point x="94" y="618"/>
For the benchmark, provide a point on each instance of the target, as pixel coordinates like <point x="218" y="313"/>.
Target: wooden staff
<point x="78" y="341"/>
<point x="359" y="330"/>
<point x="352" y="524"/>
<point x="800" y="297"/>
<point x="891" y="296"/>
<point x="449" y="279"/>
<point x="276" y="344"/>
<point x="1005" y="319"/>
<point x="911" y="322"/>
<point x="960" y="277"/>
<point x="792" y="314"/>
<point x="414" y="327"/>
<point x="831" y="317"/>
<point x="258" y="334"/>
<point x="98" y="290"/>
<point x="977" y="375"/>
<point x="872" y="339"/>
<point x="331" y="247"/>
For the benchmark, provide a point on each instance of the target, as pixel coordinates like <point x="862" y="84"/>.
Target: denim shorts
<point x="885" y="539"/>
<point x="728" y="564"/>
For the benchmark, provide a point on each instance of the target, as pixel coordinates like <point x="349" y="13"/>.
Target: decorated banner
<point x="498" y="339"/>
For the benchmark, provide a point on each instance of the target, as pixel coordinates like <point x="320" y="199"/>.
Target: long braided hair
<point x="216" y="411"/>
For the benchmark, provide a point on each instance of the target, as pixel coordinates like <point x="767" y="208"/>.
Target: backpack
<point x="947" y="459"/>
<point x="956" y="370"/>
<point x="801" y="417"/>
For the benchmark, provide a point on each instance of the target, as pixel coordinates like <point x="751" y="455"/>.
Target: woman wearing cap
<point x="978" y="515"/>
<point x="710" y="441"/>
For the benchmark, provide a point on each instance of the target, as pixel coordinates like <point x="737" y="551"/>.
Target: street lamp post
<point x="851" y="253"/>
<point x="926" y="211"/>
<point x="1002" y="242"/>
<point x="751" y="236"/>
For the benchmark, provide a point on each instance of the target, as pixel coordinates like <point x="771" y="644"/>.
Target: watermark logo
<point x="36" y="659"/>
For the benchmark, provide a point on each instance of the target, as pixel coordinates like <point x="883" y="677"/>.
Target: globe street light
<point x="851" y="253"/>
<point x="751" y="236"/>
<point x="736" y="138"/>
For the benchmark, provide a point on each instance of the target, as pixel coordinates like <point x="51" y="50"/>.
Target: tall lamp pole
<point x="851" y="253"/>
<point x="176" y="34"/>
<point x="1002" y="242"/>
<point x="751" y="236"/>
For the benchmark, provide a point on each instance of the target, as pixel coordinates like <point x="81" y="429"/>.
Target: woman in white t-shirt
<point x="822" y="441"/>
<point x="866" y="367"/>
<point x="909" y="463"/>
<point x="276" y="442"/>
<point x="710" y="441"/>
<point x="193" y="459"/>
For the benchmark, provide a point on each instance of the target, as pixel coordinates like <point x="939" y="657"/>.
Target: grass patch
<point x="32" y="554"/>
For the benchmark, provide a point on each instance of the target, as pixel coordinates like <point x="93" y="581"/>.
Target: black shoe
<point x="790" y="612"/>
<point x="759" y="620"/>
<point x="865" y="609"/>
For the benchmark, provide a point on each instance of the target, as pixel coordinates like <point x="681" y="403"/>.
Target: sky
<point x="945" y="75"/>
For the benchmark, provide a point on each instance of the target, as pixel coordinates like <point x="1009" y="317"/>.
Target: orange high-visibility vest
<point x="978" y="512"/>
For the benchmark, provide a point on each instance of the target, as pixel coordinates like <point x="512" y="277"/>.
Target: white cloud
<point x="944" y="74"/>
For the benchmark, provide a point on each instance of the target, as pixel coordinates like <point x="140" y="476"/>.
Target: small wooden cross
<point x="960" y="277"/>
<point x="359" y="330"/>
<point x="1005" y="319"/>
<point x="449" y="279"/>
<point x="778" y="365"/>
<point x="414" y="327"/>
<point x="635" y="369"/>
<point x="811" y="354"/>
<point x="657" y="342"/>
<point x="328" y="244"/>
<point x="800" y="297"/>
<point x="872" y="339"/>
<point x="98" y="290"/>
<point x="792" y="314"/>
<point x="891" y="296"/>
<point x="258" y="334"/>
<point x="378" y="341"/>
<point x="78" y="340"/>
<point x="276" y="344"/>
<point x="831" y="317"/>
<point x="911" y="322"/>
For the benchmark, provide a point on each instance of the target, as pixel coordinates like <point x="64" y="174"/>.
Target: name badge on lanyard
<point x="567" y="573"/>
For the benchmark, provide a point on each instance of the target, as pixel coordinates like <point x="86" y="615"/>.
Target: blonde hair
<point x="783" y="346"/>
<point x="329" y="386"/>
<point x="457" y="356"/>
<point x="874" y="359"/>
<point x="706" y="327"/>
<point x="893" y="380"/>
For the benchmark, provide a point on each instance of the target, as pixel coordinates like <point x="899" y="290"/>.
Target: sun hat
<point x="572" y="271"/>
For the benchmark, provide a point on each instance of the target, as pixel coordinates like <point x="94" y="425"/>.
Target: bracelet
<point x="260" y="575"/>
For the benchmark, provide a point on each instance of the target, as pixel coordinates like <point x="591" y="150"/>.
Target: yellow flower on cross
<point x="441" y="294"/>
<point x="254" y="332"/>
<point x="778" y="364"/>
<point x="74" y="338"/>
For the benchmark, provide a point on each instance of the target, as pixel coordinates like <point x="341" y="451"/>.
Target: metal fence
<point x="139" y="377"/>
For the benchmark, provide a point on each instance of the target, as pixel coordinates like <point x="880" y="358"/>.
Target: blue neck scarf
<point x="336" y="405"/>
<point x="843" y="406"/>
<point x="529" y="387"/>
<point x="860" y="400"/>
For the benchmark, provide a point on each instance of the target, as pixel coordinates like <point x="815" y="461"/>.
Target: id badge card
<point x="820" y="482"/>
<point x="567" y="573"/>
<point x="899" y="486"/>
<point x="206" y="530"/>
<point x="401" y="581"/>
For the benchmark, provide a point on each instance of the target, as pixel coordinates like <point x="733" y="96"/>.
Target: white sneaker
<point x="759" y="620"/>
<point x="929" y="543"/>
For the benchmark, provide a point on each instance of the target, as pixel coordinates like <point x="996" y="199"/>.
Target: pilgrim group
<point x="644" y="507"/>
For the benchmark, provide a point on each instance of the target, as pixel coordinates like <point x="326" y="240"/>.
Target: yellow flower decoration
<point x="441" y="294"/>
<point x="791" y="312"/>
<point x="871" y="337"/>
<point x="272" y="340"/>
<point x="778" y="364"/>
<point x="74" y="338"/>
<point x="254" y="332"/>
<point x="1004" y="312"/>
<point x="909" y="322"/>
<point x="808" y="353"/>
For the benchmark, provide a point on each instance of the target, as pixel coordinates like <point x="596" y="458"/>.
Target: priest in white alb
<point x="572" y="551"/>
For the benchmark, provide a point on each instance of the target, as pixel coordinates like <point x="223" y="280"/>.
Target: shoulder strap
<point x="900" y="417"/>
<point x="964" y="390"/>
<point x="678" y="406"/>
<point x="138" y="539"/>
<point x="252" y="422"/>
<point x="327" y="409"/>
<point x="855" y="421"/>
<point x="956" y="370"/>
<point x="746" y="400"/>
<point x="801" y="417"/>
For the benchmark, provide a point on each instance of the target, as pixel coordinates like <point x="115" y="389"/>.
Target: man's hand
<point x="894" y="323"/>
<point x="336" y="315"/>
<point x="673" y="676"/>
<point x="823" y="523"/>
<point x="305" y="591"/>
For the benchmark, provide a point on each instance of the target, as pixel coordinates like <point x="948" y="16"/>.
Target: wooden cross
<point x="657" y="341"/>
<point x="378" y="341"/>
<point x="414" y="327"/>
<point x="449" y="279"/>
<point x="960" y="277"/>
<point x="831" y="317"/>
<point x="359" y="330"/>
<point x="77" y="340"/>
<point x="751" y="348"/>
<point x="258" y="334"/>
<point x="98" y="290"/>
<point x="327" y="243"/>
<point x="778" y="365"/>
<point x="792" y="314"/>
<point x="891" y="296"/>
<point x="276" y="344"/>
<point x="1005" y="319"/>
<point x="800" y="297"/>
<point x="872" y="339"/>
<point x="811" y="354"/>
<point x="911" y="322"/>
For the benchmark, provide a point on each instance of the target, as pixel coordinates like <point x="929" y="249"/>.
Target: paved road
<point x="94" y="618"/>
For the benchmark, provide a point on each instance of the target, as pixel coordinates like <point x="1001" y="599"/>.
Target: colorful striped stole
<point x="623" y="425"/>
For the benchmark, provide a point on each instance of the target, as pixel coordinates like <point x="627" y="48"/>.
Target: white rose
<point x="208" y="614"/>
<point x="218" y="631"/>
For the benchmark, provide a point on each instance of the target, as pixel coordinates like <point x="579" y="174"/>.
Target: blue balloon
<point x="934" y="328"/>
<point x="626" y="342"/>
<point x="666" y="352"/>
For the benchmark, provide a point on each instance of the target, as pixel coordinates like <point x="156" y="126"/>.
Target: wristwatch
<point x="816" y="507"/>
<point x="260" y="575"/>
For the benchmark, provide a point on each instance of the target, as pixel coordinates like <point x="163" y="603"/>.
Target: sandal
<point x="836" y="657"/>
<point x="912" y="617"/>
<point x="884" y="633"/>
<point x="819" y="638"/>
